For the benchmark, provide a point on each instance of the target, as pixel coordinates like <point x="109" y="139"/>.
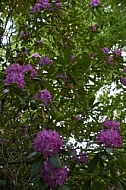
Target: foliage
<point x="75" y="85"/>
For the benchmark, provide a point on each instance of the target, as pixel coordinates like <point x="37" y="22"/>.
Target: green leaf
<point x="93" y="163"/>
<point x="63" y="187"/>
<point x="36" y="166"/>
<point x="67" y="56"/>
<point x="32" y="154"/>
<point x="2" y="183"/>
<point x="85" y="61"/>
<point x="21" y="99"/>
<point x="86" y="185"/>
<point x="38" y="180"/>
<point x="55" y="161"/>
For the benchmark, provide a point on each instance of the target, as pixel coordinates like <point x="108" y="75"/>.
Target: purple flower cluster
<point x="105" y="50"/>
<point x="45" y="61"/>
<point x="15" y="74"/>
<point x="35" y="55"/>
<point x="28" y="69"/>
<point x="118" y="52"/>
<point x="110" y="59"/>
<point x="78" y="117"/>
<point x="41" y="5"/>
<point x="48" y="142"/>
<point x="45" y="4"/>
<point x="39" y="42"/>
<point x="64" y="77"/>
<point x="73" y="57"/>
<point x="110" y="136"/>
<point x="112" y="124"/>
<point x="95" y="3"/>
<point x="45" y="96"/>
<point x="80" y="158"/>
<point x="124" y="69"/>
<point x="24" y="34"/>
<point x="52" y="176"/>
<point x="123" y="81"/>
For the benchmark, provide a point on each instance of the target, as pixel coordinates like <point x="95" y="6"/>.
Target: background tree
<point x="75" y="49"/>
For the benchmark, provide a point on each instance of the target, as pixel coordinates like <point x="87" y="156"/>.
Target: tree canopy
<point x="63" y="94"/>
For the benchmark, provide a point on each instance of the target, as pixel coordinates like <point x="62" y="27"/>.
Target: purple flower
<point x="112" y="124"/>
<point x="110" y="59"/>
<point x="93" y="28"/>
<point x="53" y="177"/>
<point x="45" y="96"/>
<point x="38" y="42"/>
<point x="35" y="55"/>
<point x="27" y="68"/>
<point x="83" y="157"/>
<point x="63" y="77"/>
<point x="118" y="52"/>
<point x="73" y="57"/>
<point x="24" y="34"/>
<point x="48" y="142"/>
<point x="124" y="69"/>
<point x="78" y="117"/>
<point x="105" y="50"/>
<point x="15" y="75"/>
<point x="15" y="67"/>
<point x="110" y="138"/>
<point x="1" y="141"/>
<point x="92" y="55"/>
<point x="45" y="61"/>
<point x="58" y="4"/>
<point x="15" y="78"/>
<point x="95" y="3"/>
<point x="41" y="5"/>
<point x="123" y="81"/>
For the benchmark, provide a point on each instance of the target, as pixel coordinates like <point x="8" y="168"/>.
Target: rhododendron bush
<point x="62" y="95"/>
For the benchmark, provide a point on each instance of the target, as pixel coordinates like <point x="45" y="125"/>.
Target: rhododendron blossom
<point x="124" y="69"/>
<point x="110" y="59"/>
<point x="45" y="96"/>
<point x="53" y="177"/>
<point x="48" y="142"/>
<point x="45" y="61"/>
<point x="95" y="3"/>
<point x="79" y="158"/>
<point x="15" y="74"/>
<point x="118" y="52"/>
<point x="29" y="68"/>
<point x="112" y="124"/>
<point x="110" y="137"/>
<point x="105" y="50"/>
<point x="78" y="117"/>
<point x="35" y="55"/>
<point x="123" y="81"/>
